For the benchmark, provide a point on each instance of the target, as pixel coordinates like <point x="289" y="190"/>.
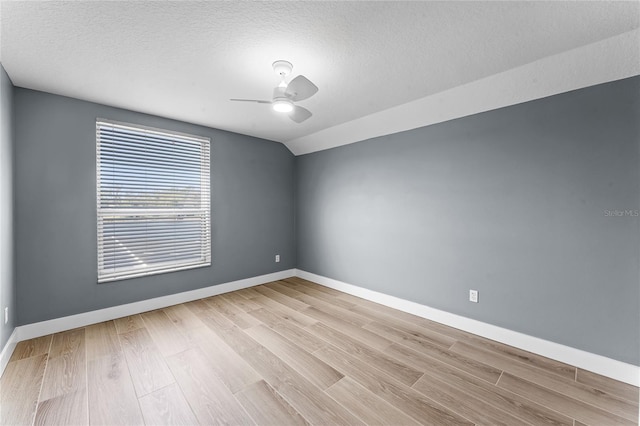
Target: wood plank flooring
<point x="293" y="352"/>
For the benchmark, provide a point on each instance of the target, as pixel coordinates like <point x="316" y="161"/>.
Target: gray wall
<point x="7" y="282"/>
<point x="510" y="202"/>
<point x="55" y="195"/>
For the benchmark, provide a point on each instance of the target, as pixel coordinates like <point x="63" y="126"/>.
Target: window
<point x="153" y="201"/>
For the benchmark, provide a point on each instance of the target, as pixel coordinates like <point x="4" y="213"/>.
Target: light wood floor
<point x="293" y="352"/>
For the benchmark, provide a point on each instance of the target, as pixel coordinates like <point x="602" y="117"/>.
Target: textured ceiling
<point x="184" y="60"/>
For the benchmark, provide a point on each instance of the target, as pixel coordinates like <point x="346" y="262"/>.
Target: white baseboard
<point x="7" y="351"/>
<point x="599" y="364"/>
<point x="608" y="367"/>
<point x="57" y="325"/>
<point x="30" y="331"/>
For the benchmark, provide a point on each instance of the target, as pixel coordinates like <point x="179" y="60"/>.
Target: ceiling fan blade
<point x="299" y="114"/>
<point x="251" y="100"/>
<point x="300" y="88"/>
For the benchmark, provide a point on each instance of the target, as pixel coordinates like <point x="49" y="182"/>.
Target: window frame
<point x="204" y="210"/>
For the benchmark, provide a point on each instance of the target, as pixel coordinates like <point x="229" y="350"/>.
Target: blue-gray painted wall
<point x="55" y="211"/>
<point x="511" y="202"/>
<point x="7" y="281"/>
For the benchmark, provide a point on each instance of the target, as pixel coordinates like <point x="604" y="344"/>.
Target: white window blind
<point x="153" y="201"/>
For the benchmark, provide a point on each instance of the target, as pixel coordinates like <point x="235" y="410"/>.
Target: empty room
<point x="320" y="213"/>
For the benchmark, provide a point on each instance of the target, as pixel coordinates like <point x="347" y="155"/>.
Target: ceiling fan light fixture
<point x="282" y="105"/>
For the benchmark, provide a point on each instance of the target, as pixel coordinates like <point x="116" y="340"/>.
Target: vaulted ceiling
<point x="377" y="64"/>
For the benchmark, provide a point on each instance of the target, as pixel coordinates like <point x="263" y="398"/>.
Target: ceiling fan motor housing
<point x="279" y="92"/>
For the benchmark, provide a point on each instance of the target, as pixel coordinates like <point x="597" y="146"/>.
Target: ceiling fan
<point x="284" y="95"/>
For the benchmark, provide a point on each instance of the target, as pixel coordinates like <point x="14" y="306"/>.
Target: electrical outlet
<point x="6" y="314"/>
<point x="473" y="296"/>
<point x="277" y="258"/>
